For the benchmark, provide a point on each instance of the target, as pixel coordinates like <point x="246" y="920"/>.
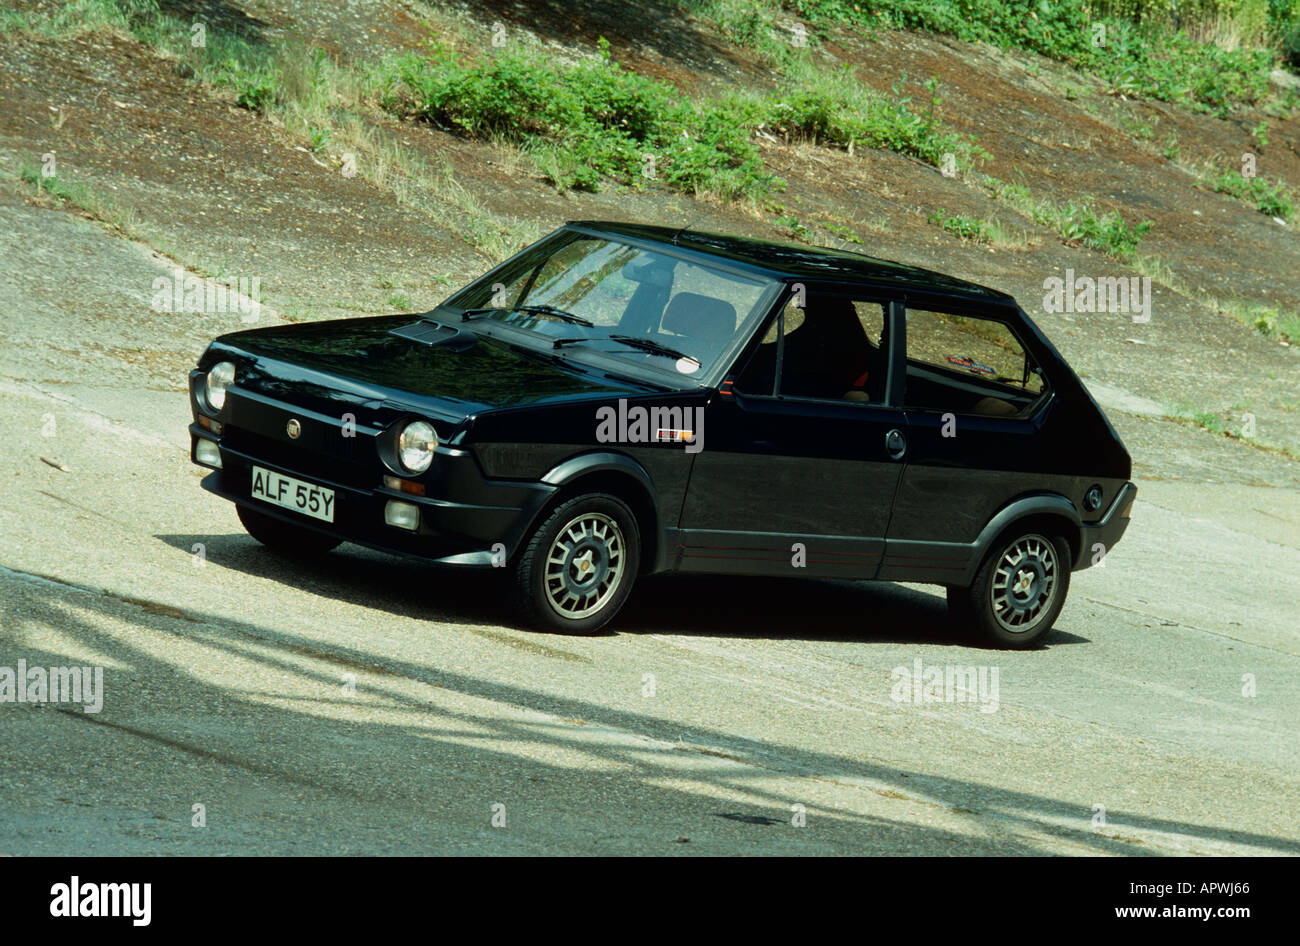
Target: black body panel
<point x="774" y="485"/>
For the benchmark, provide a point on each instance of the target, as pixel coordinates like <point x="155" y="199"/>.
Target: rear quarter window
<point x="969" y="364"/>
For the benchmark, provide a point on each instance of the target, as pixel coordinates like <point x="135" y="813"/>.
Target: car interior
<point x="935" y="390"/>
<point x="828" y="355"/>
<point x="699" y="325"/>
<point x="705" y="324"/>
<point x="967" y="365"/>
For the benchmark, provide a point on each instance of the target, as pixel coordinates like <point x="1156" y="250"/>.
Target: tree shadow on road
<point x="250" y="718"/>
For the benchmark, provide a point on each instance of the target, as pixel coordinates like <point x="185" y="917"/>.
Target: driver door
<point x="804" y="447"/>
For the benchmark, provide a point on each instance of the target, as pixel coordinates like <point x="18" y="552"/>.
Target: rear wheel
<point x="1018" y="591"/>
<point x="579" y="565"/>
<point x="283" y="536"/>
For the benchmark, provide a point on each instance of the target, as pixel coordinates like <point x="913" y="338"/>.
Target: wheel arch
<point x="620" y="476"/>
<point x="1051" y="512"/>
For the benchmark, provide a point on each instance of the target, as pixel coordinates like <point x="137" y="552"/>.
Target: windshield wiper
<point x="573" y="340"/>
<point x="632" y="341"/>
<point x="468" y="314"/>
<point x="552" y="310"/>
<point x="649" y="345"/>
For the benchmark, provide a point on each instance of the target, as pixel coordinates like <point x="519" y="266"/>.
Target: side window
<point x="968" y="365"/>
<point x="830" y="349"/>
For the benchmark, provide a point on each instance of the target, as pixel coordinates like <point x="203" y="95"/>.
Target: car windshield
<point x="582" y="294"/>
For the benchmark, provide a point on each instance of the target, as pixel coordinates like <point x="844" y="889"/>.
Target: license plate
<point x="306" y="498"/>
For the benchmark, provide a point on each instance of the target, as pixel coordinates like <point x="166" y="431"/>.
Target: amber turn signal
<point x="404" y="486"/>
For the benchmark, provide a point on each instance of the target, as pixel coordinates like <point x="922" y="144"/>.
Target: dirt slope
<point x="228" y="192"/>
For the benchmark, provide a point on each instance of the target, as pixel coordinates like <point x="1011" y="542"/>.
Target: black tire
<point x="283" y="536"/>
<point x="549" y="578"/>
<point x="1018" y="591"/>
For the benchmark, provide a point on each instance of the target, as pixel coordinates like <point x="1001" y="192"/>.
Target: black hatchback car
<point x="619" y="400"/>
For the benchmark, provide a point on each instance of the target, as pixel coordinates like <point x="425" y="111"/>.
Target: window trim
<point x="893" y="306"/>
<point x="772" y="287"/>
<point x="1007" y="317"/>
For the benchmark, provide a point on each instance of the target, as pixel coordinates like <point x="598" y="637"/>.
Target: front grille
<point x="310" y="463"/>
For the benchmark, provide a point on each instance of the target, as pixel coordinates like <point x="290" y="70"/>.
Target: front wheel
<point x="579" y="565"/>
<point x="1018" y="591"/>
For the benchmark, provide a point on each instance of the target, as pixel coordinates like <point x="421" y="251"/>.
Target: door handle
<point x="895" y="444"/>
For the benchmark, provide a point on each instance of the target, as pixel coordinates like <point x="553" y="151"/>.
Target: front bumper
<point x="482" y="527"/>
<point x="1096" y="539"/>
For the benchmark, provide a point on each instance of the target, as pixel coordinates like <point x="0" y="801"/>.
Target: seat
<point x="695" y="316"/>
<point x="706" y="324"/>
<point x="995" y="407"/>
<point x="829" y="353"/>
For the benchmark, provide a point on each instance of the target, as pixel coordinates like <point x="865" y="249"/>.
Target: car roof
<point x="813" y="263"/>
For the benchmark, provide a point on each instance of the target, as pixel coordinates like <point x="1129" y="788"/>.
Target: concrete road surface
<point x="367" y="705"/>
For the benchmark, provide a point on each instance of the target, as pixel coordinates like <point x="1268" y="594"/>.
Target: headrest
<point x="698" y="316"/>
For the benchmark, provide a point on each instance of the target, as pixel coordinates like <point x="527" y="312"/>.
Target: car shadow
<point x="797" y="609"/>
<point x="709" y="605"/>
<point x="403" y="587"/>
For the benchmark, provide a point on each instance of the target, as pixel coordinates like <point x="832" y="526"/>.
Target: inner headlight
<point x="415" y="446"/>
<point x="220" y="377"/>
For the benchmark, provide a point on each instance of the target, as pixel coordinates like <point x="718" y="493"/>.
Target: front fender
<point x="635" y="485"/>
<point x="598" y="462"/>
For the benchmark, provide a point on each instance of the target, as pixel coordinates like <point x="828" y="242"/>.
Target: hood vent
<point x="429" y="332"/>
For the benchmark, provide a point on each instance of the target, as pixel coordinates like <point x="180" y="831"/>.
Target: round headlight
<point x="415" y="446"/>
<point x="220" y="377"/>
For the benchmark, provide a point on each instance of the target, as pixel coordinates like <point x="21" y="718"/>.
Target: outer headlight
<point x="415" y="446"/>
<point x="219" y="378"/>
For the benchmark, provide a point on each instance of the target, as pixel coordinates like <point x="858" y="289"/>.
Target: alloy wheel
<point x="1024" y="583"/>
<point x="584" y="565"/>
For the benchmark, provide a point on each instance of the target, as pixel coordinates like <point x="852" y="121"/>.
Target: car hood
<point x="489" y="373"/>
